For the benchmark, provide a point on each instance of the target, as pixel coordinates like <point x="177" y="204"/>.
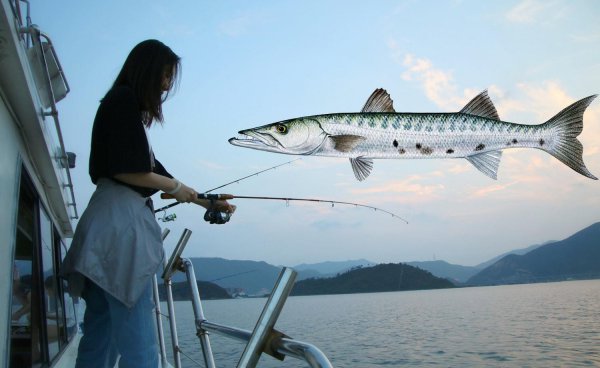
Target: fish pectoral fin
<point x="487" y="162"/>
<point x="362" y="167"/>
<point x="481" y="105"/>
<point x="346" y="143"/>
<point x="379" y="101"/>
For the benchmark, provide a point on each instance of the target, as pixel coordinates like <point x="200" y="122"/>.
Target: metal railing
<point x="33" y="39"/>
<point x="263" y="339"/>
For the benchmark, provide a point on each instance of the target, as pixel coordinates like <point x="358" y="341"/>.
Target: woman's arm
<point x="167" y="185"/>
<point x="160" y="182"/>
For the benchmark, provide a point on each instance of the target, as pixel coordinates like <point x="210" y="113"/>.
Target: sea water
<point x="534" y="325"/>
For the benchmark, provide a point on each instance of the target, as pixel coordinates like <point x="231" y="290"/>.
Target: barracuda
<point x="475" y="133"/>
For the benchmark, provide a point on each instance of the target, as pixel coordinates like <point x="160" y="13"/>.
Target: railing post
<point x="267" y="319"/>
<point x="198" y="314"/>
<point x="159" y="325"/>
<point x="170" y="268"/>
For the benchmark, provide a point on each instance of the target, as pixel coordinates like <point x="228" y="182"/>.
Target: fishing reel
<point x="214" y="216"/>
<point x="167" y="218"/>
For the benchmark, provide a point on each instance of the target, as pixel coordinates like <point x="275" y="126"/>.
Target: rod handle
<point x="202" y="196"/>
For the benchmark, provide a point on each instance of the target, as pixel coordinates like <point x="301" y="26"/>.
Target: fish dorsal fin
<point x="482" y="106"/>
<point x="487" y="162"/>
<point x="346" y="143"/>
<point x="379" y="101"/>
<point x="362" y="167"/>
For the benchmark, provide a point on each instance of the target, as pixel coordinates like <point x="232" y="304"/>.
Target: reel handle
<point x="202" y="196"/>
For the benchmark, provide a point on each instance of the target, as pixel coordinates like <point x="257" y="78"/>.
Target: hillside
<point x="455" y="273"/>
<point x="383" y="277"/>
<point x="577" y="257"/>
<point x="329" y="268"/>
<point x="181" y="291"/>
<point x="518" y="252"/>
<point x="252" y="276"/>
<point x="258" y="277"/>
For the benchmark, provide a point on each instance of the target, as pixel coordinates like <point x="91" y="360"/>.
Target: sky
<point x="250" y="63"/>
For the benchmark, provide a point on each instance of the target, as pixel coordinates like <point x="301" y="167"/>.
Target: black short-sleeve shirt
<point x="119" y="142"/>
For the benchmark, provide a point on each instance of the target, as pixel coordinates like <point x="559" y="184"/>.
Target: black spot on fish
<point x="401" y="151"/>
<point x="450" y="151"/>
<point x="515" y="141"/>
<point x="542" y="142"/>
<point x="479" y="147"/>
<point x="427" y="150"/>
<point x="419" y="146"/>
<point x="395" y="143"/>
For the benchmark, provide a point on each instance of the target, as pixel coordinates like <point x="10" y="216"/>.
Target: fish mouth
<point x="255" y="140"/>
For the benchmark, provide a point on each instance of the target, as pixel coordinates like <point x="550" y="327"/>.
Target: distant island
<point x="379" y="278"/>
<point x="181" y="291"/>
<point x="576" y="257"/>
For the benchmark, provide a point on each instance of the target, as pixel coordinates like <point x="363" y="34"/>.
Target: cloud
<point x="413" y="189"/>
<point x="533" y="11"/>
<point x="459" y="168"/>
<point x="485" y="191"/>
<point x="438" y="84"/>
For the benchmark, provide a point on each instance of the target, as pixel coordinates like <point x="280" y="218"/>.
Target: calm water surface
<point x="536" y="325"/>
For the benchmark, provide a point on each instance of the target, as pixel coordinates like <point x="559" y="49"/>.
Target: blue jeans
<point x="111" y="329"/>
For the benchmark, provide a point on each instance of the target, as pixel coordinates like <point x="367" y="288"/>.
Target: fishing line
<point x="251" y="175"/>
<point x="231" y="182"/>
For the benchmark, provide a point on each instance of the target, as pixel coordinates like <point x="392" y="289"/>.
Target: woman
<point x="117" y="245"/>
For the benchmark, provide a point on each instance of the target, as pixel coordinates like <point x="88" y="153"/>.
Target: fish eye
<point x="280" y="128"/>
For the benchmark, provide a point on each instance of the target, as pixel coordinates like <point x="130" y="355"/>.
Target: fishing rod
<point x="251" y="175"/>
<point x="172" y="217"/>
<point x="219" y="217"/>
<point x="235" y="274"/>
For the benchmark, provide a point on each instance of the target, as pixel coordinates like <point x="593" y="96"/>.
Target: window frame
<point x="38" y="294"/>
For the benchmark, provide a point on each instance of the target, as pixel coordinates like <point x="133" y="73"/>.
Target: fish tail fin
<point x="565" y="127"/>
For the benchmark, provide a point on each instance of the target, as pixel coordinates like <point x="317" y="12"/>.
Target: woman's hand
<point x="220" y="205"/>
<point x="224" y="206"/>
<point x="186" y="194"/>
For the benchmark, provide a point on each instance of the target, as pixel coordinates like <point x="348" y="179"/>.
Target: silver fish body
<point x="475" y="133"/>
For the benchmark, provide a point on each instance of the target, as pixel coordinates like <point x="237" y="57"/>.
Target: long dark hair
<point x="143" y="71"/>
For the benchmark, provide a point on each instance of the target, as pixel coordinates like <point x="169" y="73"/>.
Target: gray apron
<point x="117" y="244"/>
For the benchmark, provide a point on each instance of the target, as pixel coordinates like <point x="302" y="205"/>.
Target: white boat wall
<point x="37" y="318"/>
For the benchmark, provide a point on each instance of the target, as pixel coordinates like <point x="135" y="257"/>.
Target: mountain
<point x="379" y="278"/>
<point x="251" y="276"/>
<point x="455" y="273"/>
<point x="327" y="269"/>
<point x="576" y="257"/>
<point x="519" y="252"/>
<point x="181" y="291"/>
<point x="255" y="277"/>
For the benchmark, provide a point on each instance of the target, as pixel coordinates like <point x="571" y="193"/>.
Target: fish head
<point x="302" y="136"/>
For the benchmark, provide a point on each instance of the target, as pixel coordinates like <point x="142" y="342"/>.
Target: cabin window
<point x="52" y="308"/>
<point x="42" y="316"/>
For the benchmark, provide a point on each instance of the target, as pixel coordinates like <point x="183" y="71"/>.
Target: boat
<point x="40" y="321"/>
<point x="37" y="194"/>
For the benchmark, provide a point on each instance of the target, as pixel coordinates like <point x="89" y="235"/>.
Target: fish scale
<point x="475" y="133"/>
<point x="437" y="131"/>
